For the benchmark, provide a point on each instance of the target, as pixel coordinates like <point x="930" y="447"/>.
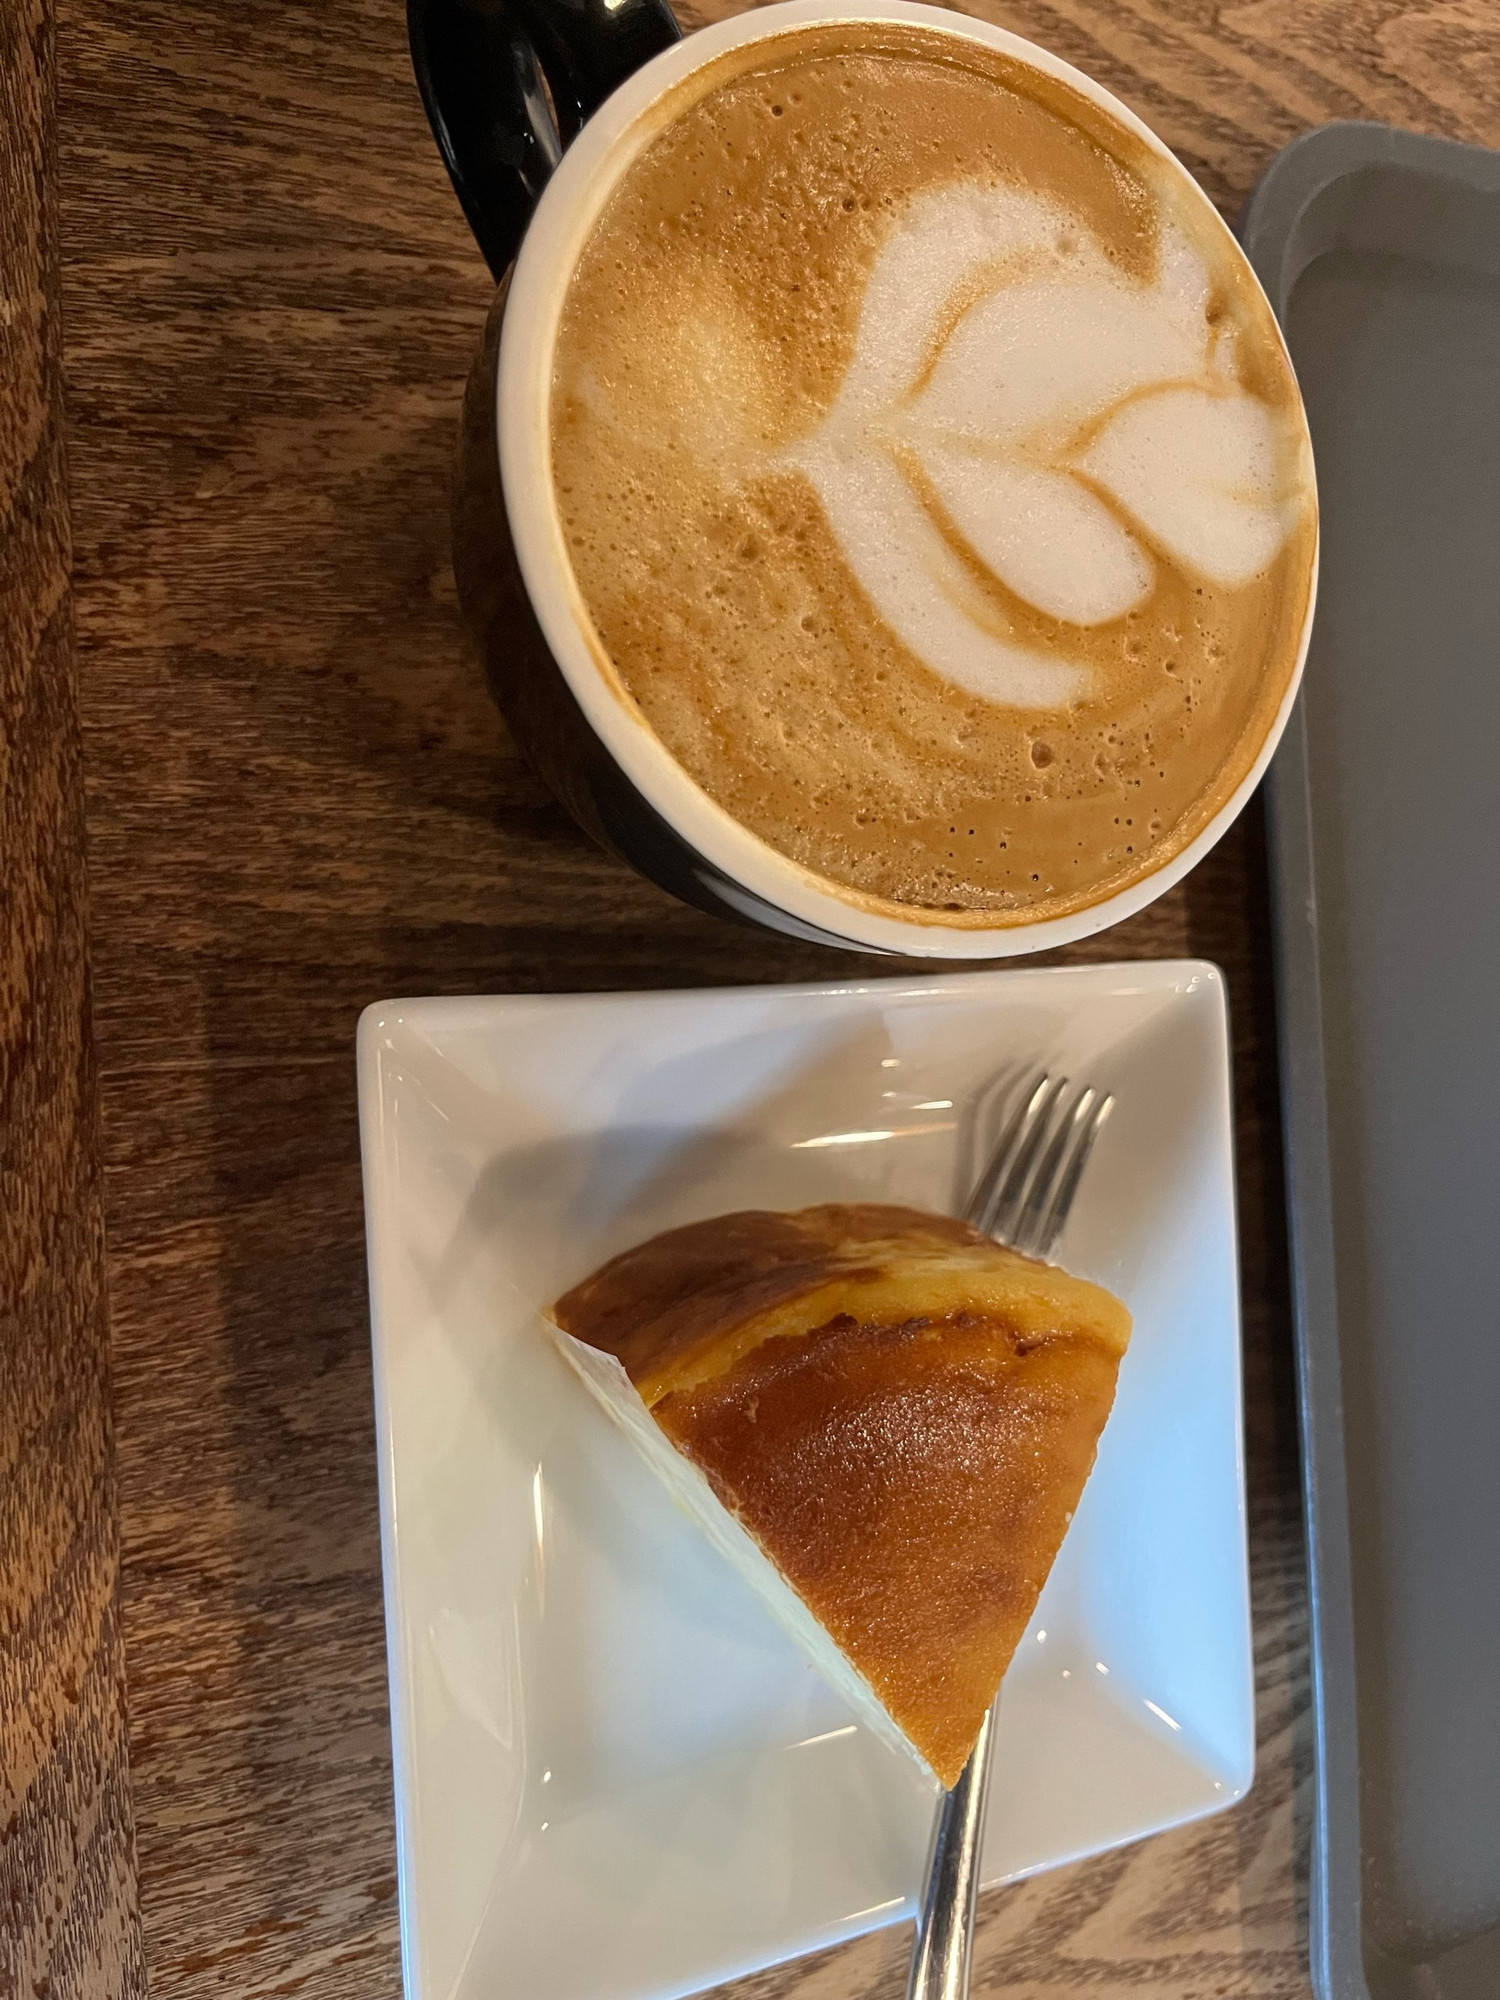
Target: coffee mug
<point x="538" y="107"/>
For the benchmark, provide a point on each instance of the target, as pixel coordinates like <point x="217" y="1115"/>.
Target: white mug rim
<point x="569" y="206"/>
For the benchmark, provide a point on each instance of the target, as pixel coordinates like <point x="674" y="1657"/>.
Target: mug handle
<point x="507" y="85"/>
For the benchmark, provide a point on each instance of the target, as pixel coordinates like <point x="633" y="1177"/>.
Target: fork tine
<point x="1029" y="1083"/>
<point x="1010" y="1191"/>
<point x="1024" y="1195"/>
<point x="988" y="1111"/>
<point x="1034" y="1216"/>
<point x="1073" y="1173"/>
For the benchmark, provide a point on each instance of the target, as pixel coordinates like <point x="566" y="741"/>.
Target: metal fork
<point x="1021" y="1198"/>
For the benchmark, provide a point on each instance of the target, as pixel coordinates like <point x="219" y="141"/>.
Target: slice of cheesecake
<point x="894" y="1411"/>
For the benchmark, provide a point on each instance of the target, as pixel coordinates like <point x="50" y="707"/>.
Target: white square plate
<point x="614" y="1777"/>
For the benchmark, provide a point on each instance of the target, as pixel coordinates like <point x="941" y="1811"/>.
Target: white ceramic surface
<point x="615" y="1778"/>
<point x="570" y="204"/>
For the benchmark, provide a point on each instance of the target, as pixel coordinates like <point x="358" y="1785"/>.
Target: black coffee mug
<point x="537" y="107"/>
<point x="507" y="84"/>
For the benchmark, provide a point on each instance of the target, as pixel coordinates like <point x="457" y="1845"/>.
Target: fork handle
<point x="945" y="1924"/>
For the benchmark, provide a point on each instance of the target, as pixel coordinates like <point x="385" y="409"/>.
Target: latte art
<point x="932" y="474"/>
<point x="1067" y="413"/>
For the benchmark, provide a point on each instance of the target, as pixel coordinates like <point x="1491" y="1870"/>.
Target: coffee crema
<point x="932" y="472"/>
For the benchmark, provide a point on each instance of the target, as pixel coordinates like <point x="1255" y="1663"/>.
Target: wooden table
<point x="296" y="798"/>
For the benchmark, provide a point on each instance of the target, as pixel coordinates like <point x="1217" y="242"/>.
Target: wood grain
<point x="300" y="800"/>
<point x="68" y="1918"/>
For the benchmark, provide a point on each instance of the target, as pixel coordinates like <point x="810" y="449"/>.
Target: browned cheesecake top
<point x="700" y="1296"/>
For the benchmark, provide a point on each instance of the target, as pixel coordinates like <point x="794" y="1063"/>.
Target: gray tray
<point x="1381" y="254"/>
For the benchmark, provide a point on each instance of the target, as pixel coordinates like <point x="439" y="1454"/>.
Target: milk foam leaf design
<point x="1031" y="526"/>
<point x="1034" y="361"/>
<point x="920" y="588"/>
<point x="1201" y="473"/>
<point x="993" y="335"/>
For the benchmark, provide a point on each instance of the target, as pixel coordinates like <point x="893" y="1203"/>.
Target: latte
<point x="932" y="473"/>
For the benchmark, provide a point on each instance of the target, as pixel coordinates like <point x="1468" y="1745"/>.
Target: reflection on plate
<point x="614" y="1776"/>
